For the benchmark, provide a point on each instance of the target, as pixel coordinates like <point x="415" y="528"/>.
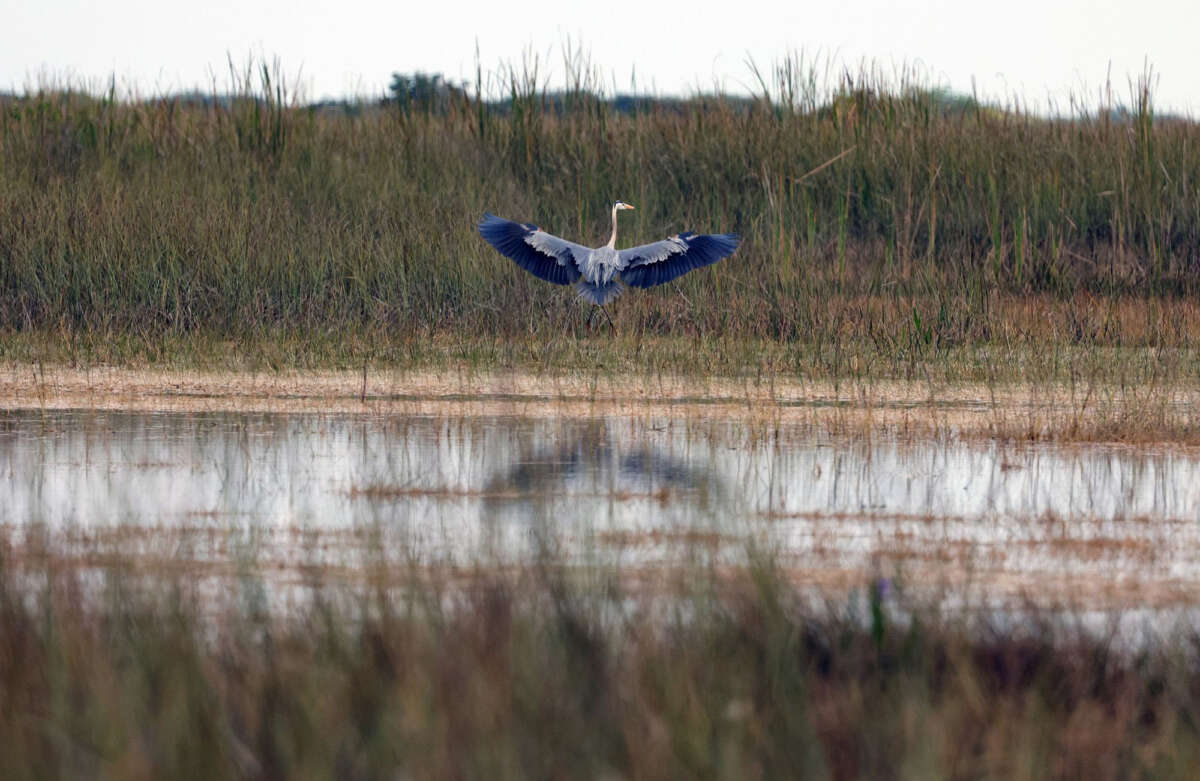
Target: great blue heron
<point x="598" y="273"/>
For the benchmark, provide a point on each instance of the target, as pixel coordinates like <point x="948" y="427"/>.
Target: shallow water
<point x="1099" y="526"/>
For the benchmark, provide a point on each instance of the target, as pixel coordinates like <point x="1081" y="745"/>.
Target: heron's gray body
<point x="596" y="276"/>
<point x="601" y="273"/>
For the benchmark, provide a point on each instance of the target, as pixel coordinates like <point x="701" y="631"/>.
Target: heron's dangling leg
<point x="611" y="325"/>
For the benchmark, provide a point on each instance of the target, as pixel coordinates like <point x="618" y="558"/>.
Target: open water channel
<point x="210" y="494"/>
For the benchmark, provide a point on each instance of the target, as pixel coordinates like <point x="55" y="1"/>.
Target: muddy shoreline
<point x="1138" y="415"/>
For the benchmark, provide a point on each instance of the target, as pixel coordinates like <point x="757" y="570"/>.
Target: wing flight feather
<point x="541" y="254"/>
<point x="662" y="261"/>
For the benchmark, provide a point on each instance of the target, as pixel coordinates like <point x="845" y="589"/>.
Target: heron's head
<point x="621" y="205"/>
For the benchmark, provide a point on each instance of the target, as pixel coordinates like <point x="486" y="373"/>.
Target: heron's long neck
<point x="612" y="242"/>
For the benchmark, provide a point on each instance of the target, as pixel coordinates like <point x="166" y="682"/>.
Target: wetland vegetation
<point x="891" y="230"/>
<point x="921" y="273"/>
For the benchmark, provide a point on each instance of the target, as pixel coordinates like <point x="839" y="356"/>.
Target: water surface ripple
<point x="1108" y="525"/>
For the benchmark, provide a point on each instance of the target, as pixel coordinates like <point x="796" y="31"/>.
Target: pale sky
<point x="1035" y="49"/>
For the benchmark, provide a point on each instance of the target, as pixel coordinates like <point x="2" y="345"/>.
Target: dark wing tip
<point x="494" y="224"/>
<point x="490" y="224"/>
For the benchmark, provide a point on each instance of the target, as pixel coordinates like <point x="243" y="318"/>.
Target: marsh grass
<point x="556" y="672"/>
<point x="881" y="216"/>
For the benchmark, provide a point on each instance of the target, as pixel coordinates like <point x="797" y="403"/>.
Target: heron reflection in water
<point x="593" y="463"/>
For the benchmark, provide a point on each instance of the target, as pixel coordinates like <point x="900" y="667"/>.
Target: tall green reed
<point x="248" y="213"/>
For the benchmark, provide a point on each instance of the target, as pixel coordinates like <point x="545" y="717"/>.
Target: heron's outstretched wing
<point x="547" y="257"/>
<point x="662" y="261"/>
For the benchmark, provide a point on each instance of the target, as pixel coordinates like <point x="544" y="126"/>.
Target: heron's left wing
<point x="662" y="261"/>
<point x="546" y="257"/>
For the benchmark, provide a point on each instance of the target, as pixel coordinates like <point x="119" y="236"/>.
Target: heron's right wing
<point x="546" y="257"/>
<point x="662" y="261"/>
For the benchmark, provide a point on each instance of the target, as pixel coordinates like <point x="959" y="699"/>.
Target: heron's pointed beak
<point x="627" y="206"/>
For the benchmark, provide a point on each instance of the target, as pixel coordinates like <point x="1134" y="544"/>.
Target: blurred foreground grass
<point x="553" y="672"/>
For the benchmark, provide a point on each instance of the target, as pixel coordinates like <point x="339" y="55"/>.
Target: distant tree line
<point x="428" y="93"/>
